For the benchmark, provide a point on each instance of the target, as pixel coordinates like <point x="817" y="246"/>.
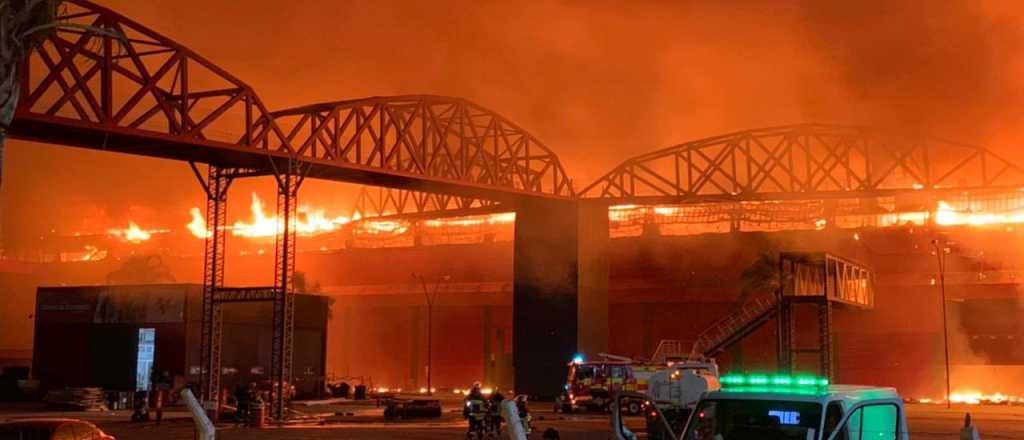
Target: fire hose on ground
<point x="204" y="427"/>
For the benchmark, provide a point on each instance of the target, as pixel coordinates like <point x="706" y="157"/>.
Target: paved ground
<point x="927" y="422"/>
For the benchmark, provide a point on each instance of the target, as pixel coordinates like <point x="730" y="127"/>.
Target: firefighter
<point x="494" y="410"/>
<point x="475" y="411"/>
<point x="242" y="396"/>
<point x="524" y="413"/>
<point x="140" y="405"/>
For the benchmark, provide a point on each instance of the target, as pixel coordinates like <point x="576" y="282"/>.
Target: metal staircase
<point x="814" y="280"/>
<point x="736" y="326"/>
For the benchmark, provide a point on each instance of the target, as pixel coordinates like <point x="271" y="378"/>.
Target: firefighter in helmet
<point x="475" y="409"/>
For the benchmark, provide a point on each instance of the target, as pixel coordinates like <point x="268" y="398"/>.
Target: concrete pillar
<point x="488" y="351"/>
<point x="560" y="290"/>
<point x="592" y="277"/>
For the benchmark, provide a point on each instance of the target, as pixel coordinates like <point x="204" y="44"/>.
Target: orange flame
<point x="93" y="253"/>
<point x="946" y="215"/>
<point x="134" y="234"/>
<point x="309" y="222"/>
<point x="261" y="224"/>
<point x="972" y="397"/>
<point x="198" y="224"/>
<point x="386" y="227"/>
<point x="493" y="219"/>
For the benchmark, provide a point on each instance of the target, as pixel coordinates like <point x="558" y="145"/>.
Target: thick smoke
<point x="948" y="68"/>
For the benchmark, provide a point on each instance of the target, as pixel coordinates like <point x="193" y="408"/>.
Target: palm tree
<point x="24" y="24"/>
<point x="761" y="277"/>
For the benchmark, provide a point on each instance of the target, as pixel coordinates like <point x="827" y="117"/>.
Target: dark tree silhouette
<point x="141" y="269"/>
<point x="761" y="277"/>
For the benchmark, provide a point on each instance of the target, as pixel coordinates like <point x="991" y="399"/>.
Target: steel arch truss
<point x="808" y="161"/>
<point x="127" y="78"/>
<point x="431" y="136"/>
<point x="106" y="82"/>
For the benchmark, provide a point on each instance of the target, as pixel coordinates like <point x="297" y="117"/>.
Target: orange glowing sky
<point x="596" y="81"/>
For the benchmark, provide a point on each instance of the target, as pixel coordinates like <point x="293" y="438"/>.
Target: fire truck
<point x="591" y="384"/>
<point x="666" y="379"/>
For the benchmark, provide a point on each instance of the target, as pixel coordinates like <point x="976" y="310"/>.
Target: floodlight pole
<point x="940" y="255"/>
<point x="430" y="326"/>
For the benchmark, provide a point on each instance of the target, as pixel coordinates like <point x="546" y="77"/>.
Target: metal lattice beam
<point x="146" y="94"/>
<point x="808" y="161"/>
<point x="377" y="202"/>
<point x="435" y="137"/>
<point x="226" y="295"/>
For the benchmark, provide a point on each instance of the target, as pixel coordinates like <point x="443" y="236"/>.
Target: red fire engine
<point x="591" y="384"/>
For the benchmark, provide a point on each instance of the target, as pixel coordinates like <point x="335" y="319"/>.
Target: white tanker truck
<point x="675" y="390"/>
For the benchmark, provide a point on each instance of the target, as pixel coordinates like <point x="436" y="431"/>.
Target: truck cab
<point x="786" y="407"/>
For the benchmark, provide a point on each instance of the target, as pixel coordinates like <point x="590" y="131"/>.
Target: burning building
<point x="674" y="269"/>
<point x="674" y="272"/>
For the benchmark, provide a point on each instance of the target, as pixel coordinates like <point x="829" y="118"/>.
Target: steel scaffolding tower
<point x="215" y="185"/>
<point x="288" y="184"/>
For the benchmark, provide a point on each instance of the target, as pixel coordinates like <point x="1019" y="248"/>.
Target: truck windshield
<point x="584" y="372"/>
<point x="735" y="419"/>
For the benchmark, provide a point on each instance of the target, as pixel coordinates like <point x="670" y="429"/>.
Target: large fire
<point x="946" y="213"/>
<point x="312" y="221"/>
<point x="309" y="221"/>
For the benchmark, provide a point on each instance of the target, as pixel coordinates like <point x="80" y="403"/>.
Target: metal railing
<point x="727" y="327"/>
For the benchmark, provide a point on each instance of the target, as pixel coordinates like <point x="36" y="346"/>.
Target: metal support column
<point x="784" y="319"/>
<point x="794" y="357"/>
<point x="288" y="184"/>
<point x="216" y="185"/>
<point x="825" y="337"/>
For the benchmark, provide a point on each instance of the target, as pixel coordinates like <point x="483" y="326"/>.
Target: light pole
<point x="940" y="254"/>
<point x="430" y="296"/>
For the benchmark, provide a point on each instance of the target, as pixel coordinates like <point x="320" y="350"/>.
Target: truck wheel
<point x="567" y="408"/>
<point x="633" y="408"/>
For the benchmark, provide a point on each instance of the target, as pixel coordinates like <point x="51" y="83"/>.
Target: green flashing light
<point x="775" y="381"/>
<point x="789" y="391"/>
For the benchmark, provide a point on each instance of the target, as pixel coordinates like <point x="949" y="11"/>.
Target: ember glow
<point x="134" y="234"/>
<point x="385" y="227"/>
<point x="493" y="219"/>
<point x="93" y="253"/>
<point x="946" y="215"/>
<point x="971" y="397"/>
<point x="980" y="212"/>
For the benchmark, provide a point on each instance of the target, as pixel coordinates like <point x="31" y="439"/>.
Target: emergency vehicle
<point x="592" y="384"/>
<point x="675" y="391"/>
<point x="758" y="406"/>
